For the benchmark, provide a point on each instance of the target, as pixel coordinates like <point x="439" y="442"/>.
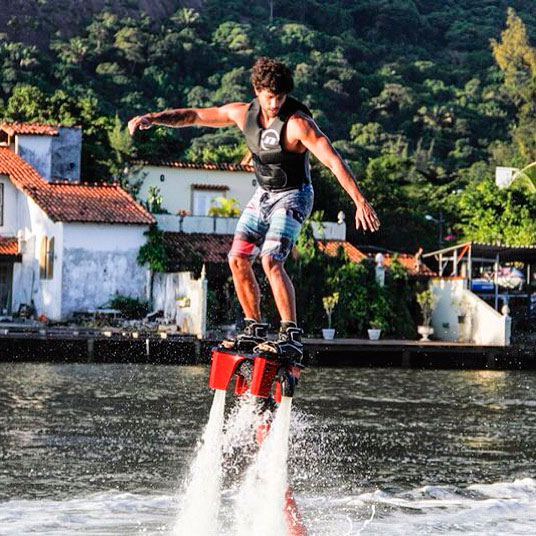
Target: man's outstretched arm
<point x="224" y="116"/>
<point x="307" y="131"/>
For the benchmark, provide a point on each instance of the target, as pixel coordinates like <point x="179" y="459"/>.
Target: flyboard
<point x="268" y="377"/>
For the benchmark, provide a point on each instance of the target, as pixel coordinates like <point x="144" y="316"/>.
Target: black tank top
<point x="275" y="168"/>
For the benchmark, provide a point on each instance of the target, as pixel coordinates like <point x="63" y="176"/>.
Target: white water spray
<point x="261" y="500"/>
<point x="240" y="425"/>
<point x="201" y="501"/>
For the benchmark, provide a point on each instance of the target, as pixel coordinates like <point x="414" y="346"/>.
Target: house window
<point x="202" y="200"/>
<point x="46" y="258"/>
<point x="1" y="205"/>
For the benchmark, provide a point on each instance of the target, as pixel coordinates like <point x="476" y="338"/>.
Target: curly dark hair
<point x="272" y="75"/>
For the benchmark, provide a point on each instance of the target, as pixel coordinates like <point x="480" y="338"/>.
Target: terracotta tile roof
<point x="331" y="247"/>
<point x="73" y="202"/>
<point x="29" y="128"/>
<point x="410" y="262"/>
<point x="209" y="166"/>
<point x="8" y="246"/>
<point x="198" y="186"/>
<point x="185" y="248"/>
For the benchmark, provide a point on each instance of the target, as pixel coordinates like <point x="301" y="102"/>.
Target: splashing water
<point x="201" y="501"/>
<point x="261" y="500"/>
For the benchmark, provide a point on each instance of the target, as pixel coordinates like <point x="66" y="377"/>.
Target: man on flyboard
<point x="280" y="132"/>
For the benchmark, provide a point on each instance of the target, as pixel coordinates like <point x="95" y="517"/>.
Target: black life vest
<point x="276" y="169"/>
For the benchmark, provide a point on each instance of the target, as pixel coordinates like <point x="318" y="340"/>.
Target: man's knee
<point x="239" y="264"/>
<point x="271" y="265"/>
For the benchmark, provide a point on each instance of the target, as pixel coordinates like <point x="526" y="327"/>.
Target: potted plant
<point x="375" y="329"/>
<point x="427" y="301"/>
<point x="329" y="303"/>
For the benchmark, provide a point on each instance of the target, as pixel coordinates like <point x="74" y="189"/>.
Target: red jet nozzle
<point x="266" y="372"/>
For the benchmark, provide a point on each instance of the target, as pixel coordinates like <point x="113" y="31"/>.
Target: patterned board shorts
<point x="271" y="222"/>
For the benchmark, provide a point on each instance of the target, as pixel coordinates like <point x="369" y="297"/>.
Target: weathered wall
<point x="27" y="286"/>
<point x="54" y="157"/>
<point x="176" y="188"/>
<point x="37" y="151"/>
<point x="100" y="261"/>
<point x="183" y="300"/>
<point x="482" y="324"/>
<point x="9" y="226"/>
<point x="66" y="154"/>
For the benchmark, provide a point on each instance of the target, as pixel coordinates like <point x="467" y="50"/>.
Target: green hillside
<point x="409" y="91"/>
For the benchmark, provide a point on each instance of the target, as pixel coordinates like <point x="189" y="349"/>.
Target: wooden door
<point x="6" y="278"/>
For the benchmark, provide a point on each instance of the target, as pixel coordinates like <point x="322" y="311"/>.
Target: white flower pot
<point x="425" y="332"/>
<point x="374" y="334"/>
<point x="328" y="333"/>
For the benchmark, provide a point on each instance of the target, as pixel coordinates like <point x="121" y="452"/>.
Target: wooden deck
<point x="24" y="342"/>
<point x="418" y="354"/>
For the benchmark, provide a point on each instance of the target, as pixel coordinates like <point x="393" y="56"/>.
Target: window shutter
<point x="50" y="258"/>
<point x="43" y="258"/>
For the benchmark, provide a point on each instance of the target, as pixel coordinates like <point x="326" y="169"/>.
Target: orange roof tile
<point x="209" y="166"/>
<point x="221" y="187"/>
<point x="331" y="247"/>
<point x="73" y="202"/>
<point x="29" y="128"/>
<point x="8" y="246"/>
<point x="410" y="263"/>
<point x="209" y="247"/>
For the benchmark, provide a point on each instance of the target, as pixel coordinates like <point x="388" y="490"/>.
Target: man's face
<point x="270" y="102"/>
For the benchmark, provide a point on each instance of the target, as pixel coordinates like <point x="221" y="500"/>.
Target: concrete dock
<point x="22" y="343"/>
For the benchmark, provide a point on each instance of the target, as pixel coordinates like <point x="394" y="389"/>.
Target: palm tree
<point x="526" y="177"/>
<point x="228" y="208"/>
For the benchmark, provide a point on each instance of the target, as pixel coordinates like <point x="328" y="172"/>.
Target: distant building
<point x="193" y="187"/>
<point x="504" y="176"/>
<point x="64" y="246"/>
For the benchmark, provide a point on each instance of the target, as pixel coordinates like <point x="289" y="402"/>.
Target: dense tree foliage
<point x="414" y="94"/>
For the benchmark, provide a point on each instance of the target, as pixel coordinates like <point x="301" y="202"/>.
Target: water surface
<point x="103" y="449"/>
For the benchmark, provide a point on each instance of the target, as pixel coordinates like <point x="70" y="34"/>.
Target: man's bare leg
<point x="246" y="286"/>
<point x="282" y="288"/>
<point x="288" y="343"/>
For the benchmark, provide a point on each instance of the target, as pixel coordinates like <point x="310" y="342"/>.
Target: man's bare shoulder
<point x="300" y="124"/>
<point x="236" y="112"/>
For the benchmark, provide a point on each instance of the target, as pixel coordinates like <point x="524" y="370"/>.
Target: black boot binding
<point x="254" y="334"/>
<point x="288" y="344"/>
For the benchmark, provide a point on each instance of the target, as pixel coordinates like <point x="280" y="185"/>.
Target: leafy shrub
<point x="131" y="308"/>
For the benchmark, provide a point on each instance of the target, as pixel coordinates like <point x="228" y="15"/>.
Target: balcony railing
<point x="326" y="230"/>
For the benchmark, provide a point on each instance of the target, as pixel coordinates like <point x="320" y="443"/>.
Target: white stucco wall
<point x="99" y="260"/>
<point x="190" y="313"/>
<point x="483" y="325"/>
<point x="10" y="220"/>
<point x="176" y="188"/>
<point x="37" y="151"/>
<point x="27" y="286"/>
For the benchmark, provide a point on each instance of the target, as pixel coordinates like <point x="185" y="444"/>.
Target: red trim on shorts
<point x="242" y="248"/>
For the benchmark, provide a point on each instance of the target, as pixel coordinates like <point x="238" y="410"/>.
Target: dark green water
<point x="76" y="431"/>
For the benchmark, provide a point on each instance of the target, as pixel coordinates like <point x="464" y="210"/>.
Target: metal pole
<point x="90" y="350"/>
<point x="440" y="222"/>
<point x="496" y="280"/>
<point x="470" y="266"/>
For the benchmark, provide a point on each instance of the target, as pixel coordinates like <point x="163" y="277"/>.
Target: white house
<point x="64" y="246"/>
<point x="192" y="187"/>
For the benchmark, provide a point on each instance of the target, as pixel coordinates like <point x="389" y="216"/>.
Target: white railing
<point x="213" y="225"/>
